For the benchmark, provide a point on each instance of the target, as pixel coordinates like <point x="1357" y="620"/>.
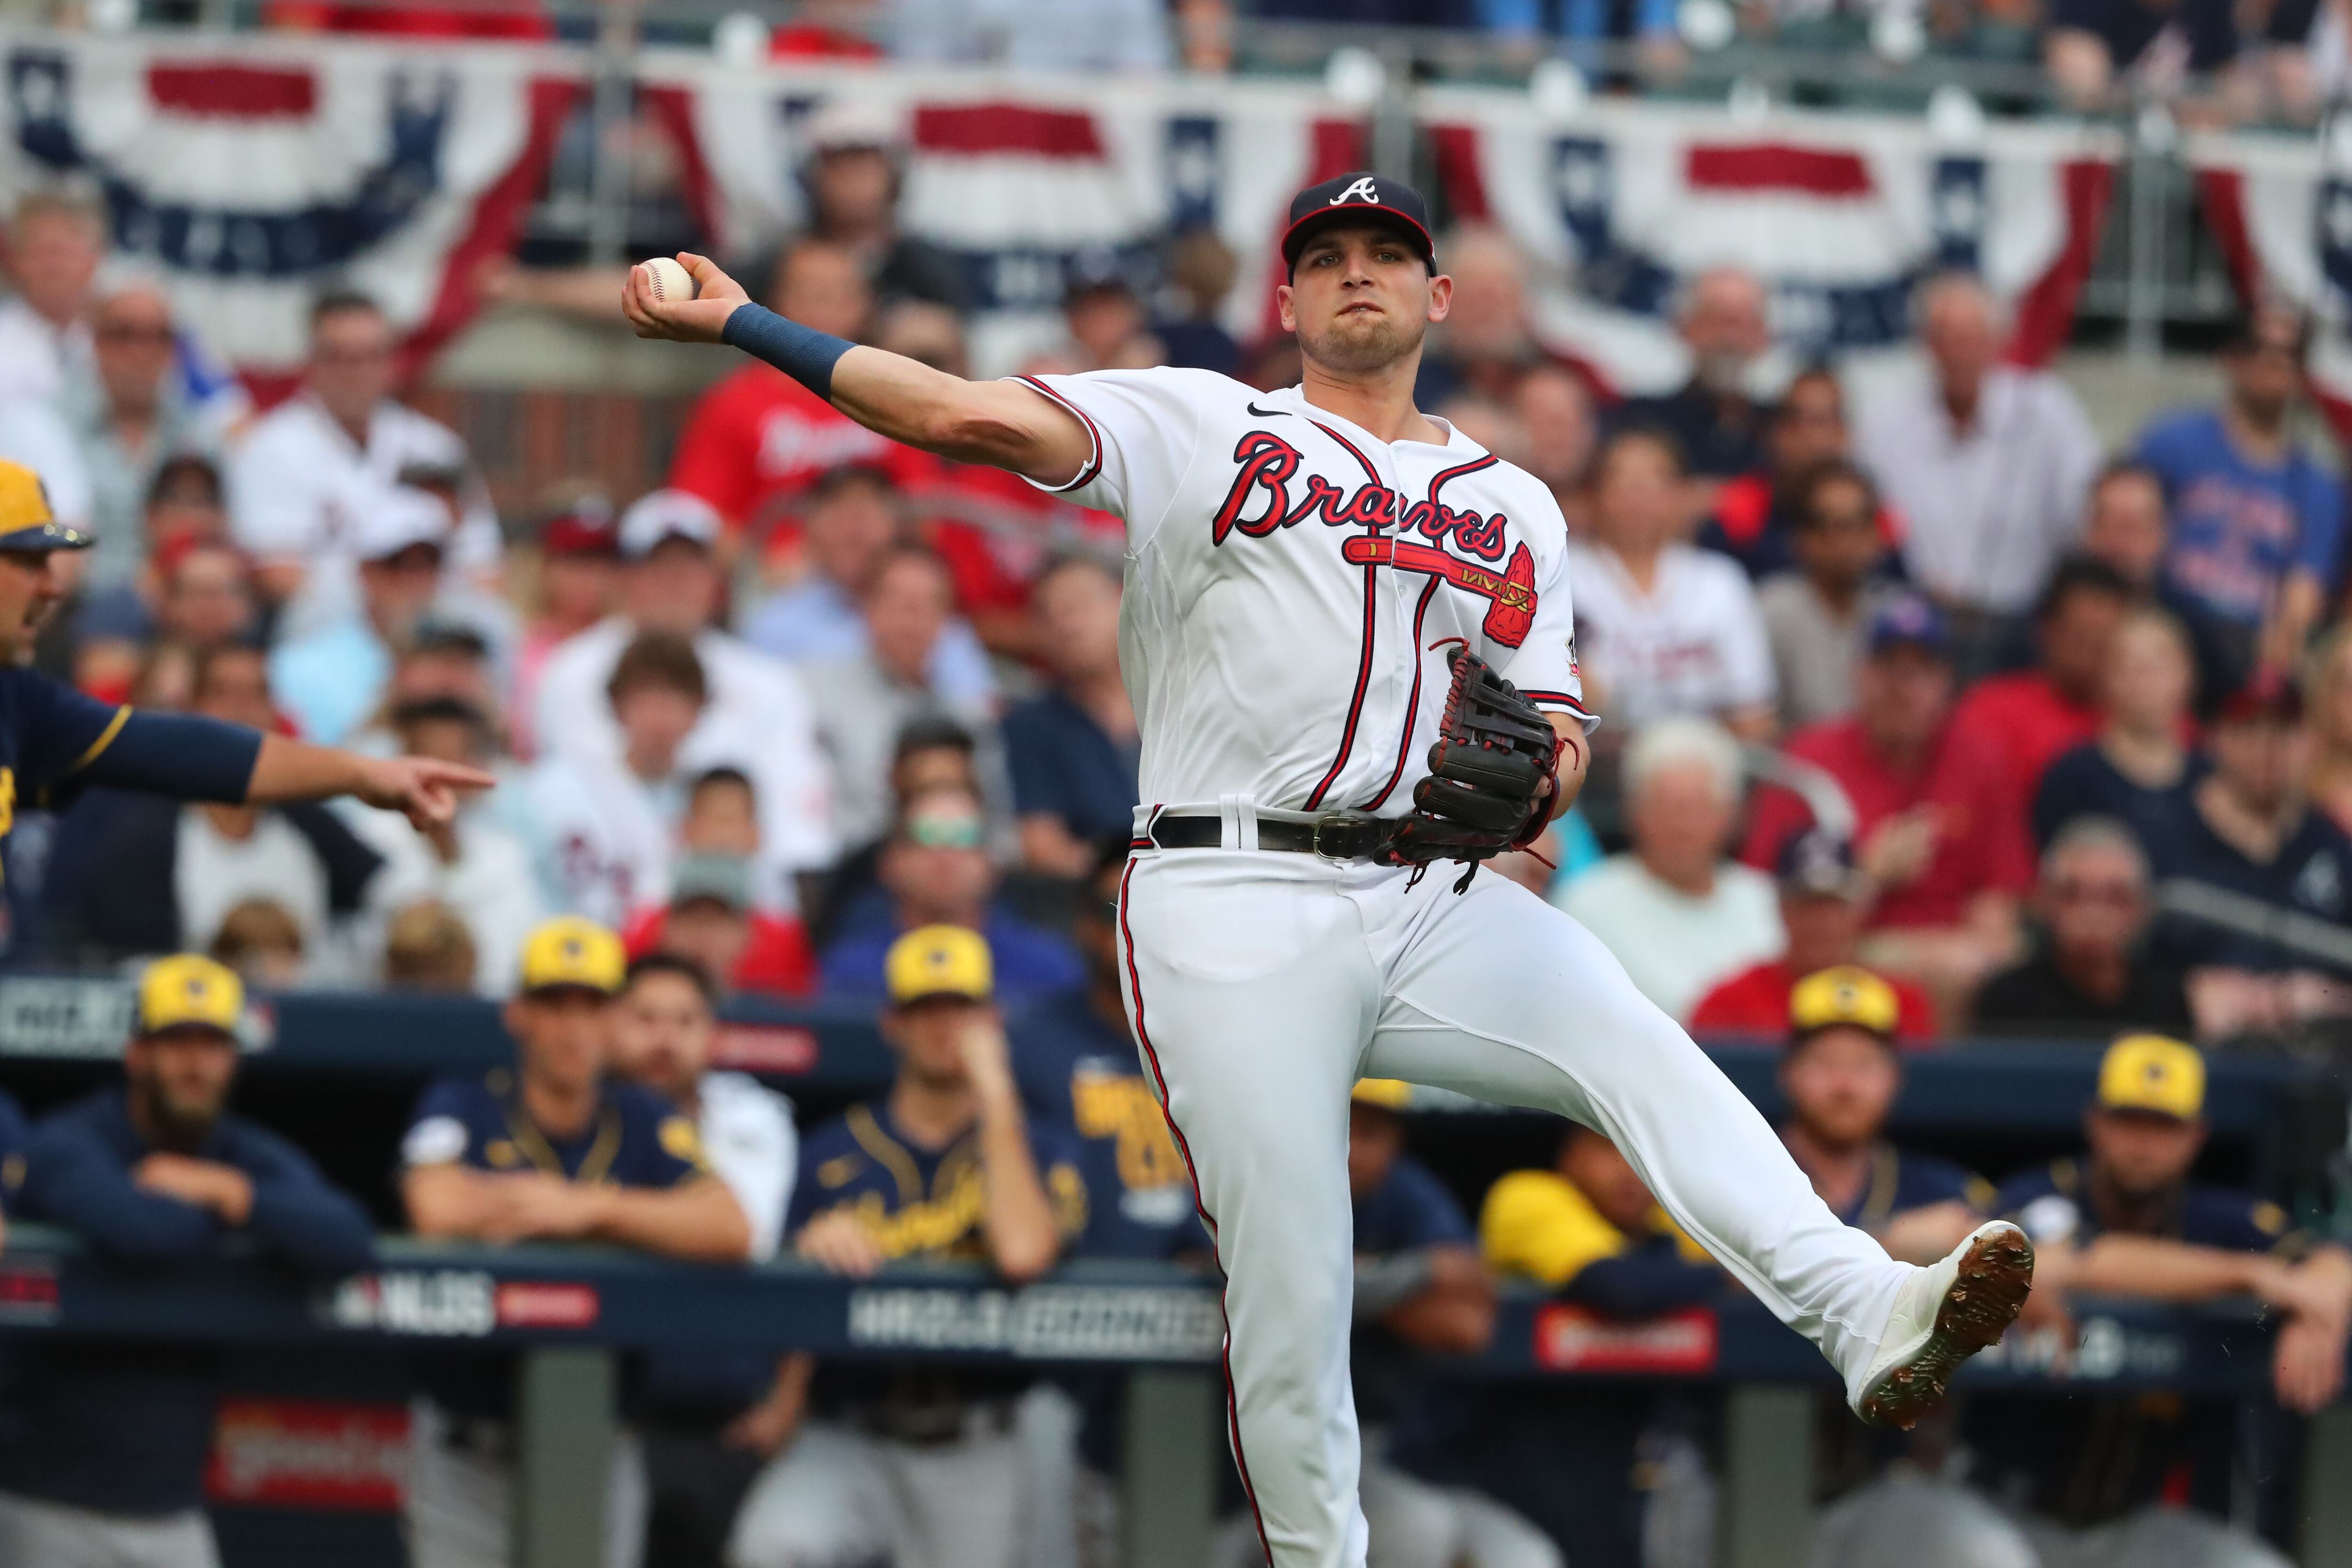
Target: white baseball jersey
<point x="1291" y="579"/>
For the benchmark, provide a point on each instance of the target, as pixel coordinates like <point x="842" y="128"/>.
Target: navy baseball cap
<point x="1908" y="620"/>
<point x="1820" y="864"/>
<point x="1351" y="198"/>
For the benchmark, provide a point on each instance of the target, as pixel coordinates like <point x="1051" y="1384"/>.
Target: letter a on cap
<point x="1362" y="187"/>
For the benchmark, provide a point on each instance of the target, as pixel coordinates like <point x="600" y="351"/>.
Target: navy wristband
<point x="801" y="353"/>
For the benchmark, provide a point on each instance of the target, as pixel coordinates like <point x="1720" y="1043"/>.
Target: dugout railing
<point x="335" y="1072"/>
<point x="571" y="1311"/>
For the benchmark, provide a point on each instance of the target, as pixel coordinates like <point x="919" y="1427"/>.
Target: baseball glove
<point x="1492" y="772"/>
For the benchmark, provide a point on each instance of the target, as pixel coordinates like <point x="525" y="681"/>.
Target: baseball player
<point x="1348" y="639"/>
<point x="53" y="740"/>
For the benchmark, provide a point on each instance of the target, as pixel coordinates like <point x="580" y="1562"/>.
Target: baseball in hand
<point x="672" y="283"/>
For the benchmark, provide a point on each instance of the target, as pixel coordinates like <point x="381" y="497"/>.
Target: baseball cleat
<point x="1944" y="1314"/>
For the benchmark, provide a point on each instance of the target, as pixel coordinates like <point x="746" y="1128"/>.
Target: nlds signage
<point x="456" y="1303"/>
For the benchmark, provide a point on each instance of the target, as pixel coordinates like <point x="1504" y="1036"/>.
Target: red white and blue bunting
<point x="1841" y="215"/>
<point x="2280" y="209"/>
<point x="1023" y="180"/>
<point x="257" y="172"/>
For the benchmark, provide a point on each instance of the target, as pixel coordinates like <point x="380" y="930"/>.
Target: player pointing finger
<point x="53" y="740"/>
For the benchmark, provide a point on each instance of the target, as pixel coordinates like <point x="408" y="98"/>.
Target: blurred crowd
<point x="1924" y="720"/>
<point x="2054" y="738"/>
<point x="2212" y="60"/>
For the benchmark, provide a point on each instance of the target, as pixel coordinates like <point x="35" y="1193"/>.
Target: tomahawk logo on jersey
<point x="1256" y="520"/>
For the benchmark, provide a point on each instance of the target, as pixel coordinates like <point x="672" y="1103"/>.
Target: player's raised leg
<point x="1251" y="996"/>
<point x="1567" y="1032"/>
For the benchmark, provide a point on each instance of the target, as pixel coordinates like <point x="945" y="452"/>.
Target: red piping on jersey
<point x="1572" y="704"/>
<point x="1412" y="702"/>
<point x="1199" y="1205"/>
<point x="1371" y="625"/>
<point x="1094" y="431"/>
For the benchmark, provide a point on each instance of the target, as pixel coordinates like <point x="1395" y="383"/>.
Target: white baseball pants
<point x="1261" y="985"/>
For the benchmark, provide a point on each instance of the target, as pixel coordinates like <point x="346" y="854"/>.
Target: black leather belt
<point x="1339" y="837"/>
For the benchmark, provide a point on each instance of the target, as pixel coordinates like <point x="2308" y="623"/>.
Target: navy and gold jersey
<point x="53" y="740"/>
<point x="1901" y="1180"/>
<point x="1408" y="1210"/>
<point x="2091" y="1458"/>
<point x="13" y="1133"/>
<point x="636" y="1139"/>
<point x="2052" y="1204"/>
<point x="1076" y="1068"/>
<point x="922" y="1203"/>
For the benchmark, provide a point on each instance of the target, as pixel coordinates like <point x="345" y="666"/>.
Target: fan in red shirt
<point x="2028" y="718"/>
<point x="1935" y="819"/>
<point x="1824" y="902"/>
<point x="709" y="919"/>
<point x="759" y="439"/>
<point x="714" y="915"/>
<point x="994" y="530"/>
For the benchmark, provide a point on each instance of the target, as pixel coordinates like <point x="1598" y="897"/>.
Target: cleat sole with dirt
<point x="1989" y="1289"/>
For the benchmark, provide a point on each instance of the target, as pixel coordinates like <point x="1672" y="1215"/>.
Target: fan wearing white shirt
<point x="1989" y="464"/>
<point x="1678" y="914"/>
<point x="711" y="1419"/>
<point x="474" y="865"/>
<point x="608" y="825"/>
<point x="56" y="239"/>
<point x="758" y="716"/>
<point x="310" y="469"/>
<point x="1664" y="629"/>
<point x="665" y="1030"/>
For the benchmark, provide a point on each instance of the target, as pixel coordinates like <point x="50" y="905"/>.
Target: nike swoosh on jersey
<point x="1263" y="413"/>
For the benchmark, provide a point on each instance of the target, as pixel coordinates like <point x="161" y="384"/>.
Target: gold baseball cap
<point x="2153" y="1073"/>
<point x="1847" y="996"/>
<point x="571" y="952"/>
<point x="1387" y="1094"/>
<point x="939" y="961"/>
<point x="189" y="989"/>
<point x="27" y="523"/>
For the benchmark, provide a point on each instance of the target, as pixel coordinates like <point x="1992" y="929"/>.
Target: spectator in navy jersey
<point x="2090" y="973"/>
<point x="2139" y="767"/>
<point x="2256" y="887"/>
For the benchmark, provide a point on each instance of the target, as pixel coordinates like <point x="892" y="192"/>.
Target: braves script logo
<point x="1362" y="187"/>
<point x="1261" y="501"/>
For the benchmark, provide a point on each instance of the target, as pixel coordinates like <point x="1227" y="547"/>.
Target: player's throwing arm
<point x="998" y="423"/>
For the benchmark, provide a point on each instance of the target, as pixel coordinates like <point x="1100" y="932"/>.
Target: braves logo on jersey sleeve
<point x="1261" y="500"/>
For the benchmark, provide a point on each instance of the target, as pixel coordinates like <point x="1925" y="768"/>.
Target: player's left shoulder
<point x="1427" y="1200"/>
<point x="2233" y="1218"/>
<point x="1503" y="486"/>
<point x="642" y="1112"/>
<point x="1926" y="1178"/>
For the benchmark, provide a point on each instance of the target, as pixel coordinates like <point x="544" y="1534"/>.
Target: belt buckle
<point x="1338" y="825"/>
